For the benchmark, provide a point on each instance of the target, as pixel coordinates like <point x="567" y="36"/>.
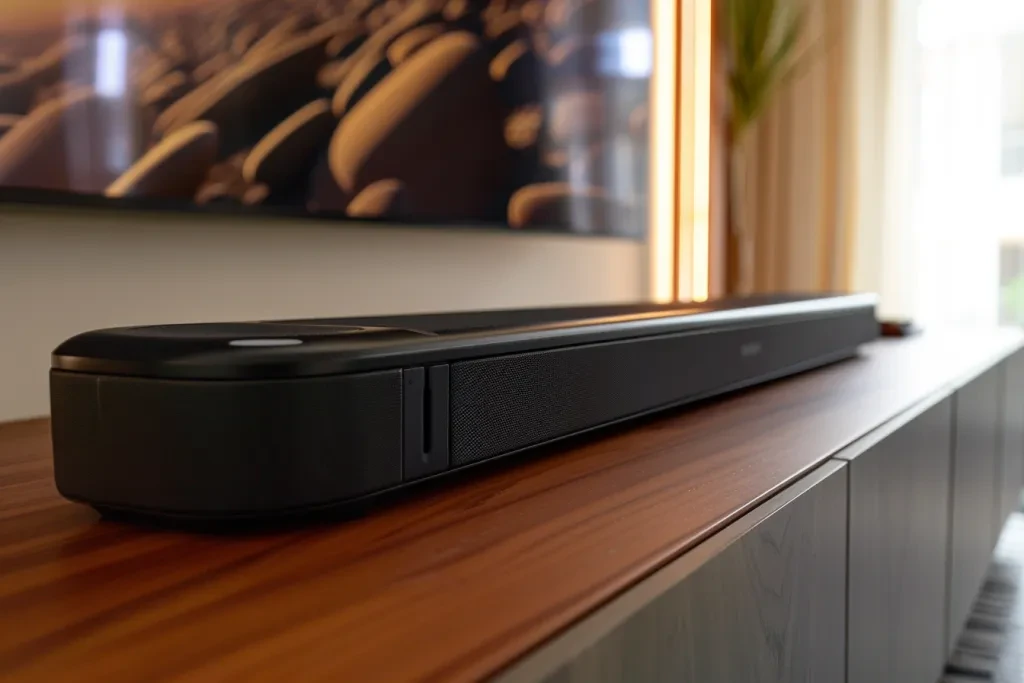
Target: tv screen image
<point x="528" y="114"/>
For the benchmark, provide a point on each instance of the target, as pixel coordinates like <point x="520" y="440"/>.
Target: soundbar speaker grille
<point x="512" y="402"/>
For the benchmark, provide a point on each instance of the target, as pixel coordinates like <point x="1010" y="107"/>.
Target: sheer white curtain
<point x="944" y="206"/>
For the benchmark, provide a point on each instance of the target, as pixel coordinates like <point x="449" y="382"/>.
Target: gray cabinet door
<point x="899" y="516"/>
<point x="976" y="495"/>
<point x="1012" y="471"/>
<point x="762" y="601"/>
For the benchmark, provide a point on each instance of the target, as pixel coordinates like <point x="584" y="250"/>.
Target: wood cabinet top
<point x="448" y="584"/>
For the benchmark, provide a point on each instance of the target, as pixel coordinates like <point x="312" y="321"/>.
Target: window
<point x="1012" y="91"/>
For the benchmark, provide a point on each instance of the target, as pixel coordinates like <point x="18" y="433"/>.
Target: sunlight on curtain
<point x="951" y="207"/>
<point x="802" y="167"/>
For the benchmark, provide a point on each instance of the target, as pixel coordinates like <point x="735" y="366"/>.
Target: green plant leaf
<point x="761" y="27"/>
<point x="740" y="102"/>
<point x="736" y="27"/>
<point x="759" y="63"/>
<point x="745" y="17"/>
<point x="790" y="36"/>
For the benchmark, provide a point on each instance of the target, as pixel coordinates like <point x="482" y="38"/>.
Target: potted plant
<point x="761" y="38"/>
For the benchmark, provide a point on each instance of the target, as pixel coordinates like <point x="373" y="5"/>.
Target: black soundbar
<point x="258" y="419"/>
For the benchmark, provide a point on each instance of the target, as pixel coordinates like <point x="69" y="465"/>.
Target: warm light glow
<point x="694" y="174"/>
<point x="664" y="83"/>
<point x="701" y="149"/>
<point x="684" y="172"/>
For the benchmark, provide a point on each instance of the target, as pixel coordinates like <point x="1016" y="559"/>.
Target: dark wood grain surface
<point x="974" y="517"/>
<point x="763" y="601"/>
<point x="1011" y="469"/>
<point x="898" y="539"/>
<point x="449" y="585"/>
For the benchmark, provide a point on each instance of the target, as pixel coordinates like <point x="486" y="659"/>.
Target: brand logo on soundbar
<point x="750" y="349"/>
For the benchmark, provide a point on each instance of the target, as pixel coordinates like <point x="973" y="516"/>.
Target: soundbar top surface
<point x="327" y="346"/>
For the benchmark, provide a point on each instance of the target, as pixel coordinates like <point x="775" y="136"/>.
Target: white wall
<point x="64" y="272"/>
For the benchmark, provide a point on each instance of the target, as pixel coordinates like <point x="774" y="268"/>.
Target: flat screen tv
<point x="526" y="114"/>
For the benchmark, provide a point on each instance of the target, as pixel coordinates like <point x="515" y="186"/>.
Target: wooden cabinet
<point x="761" y="601"/>
<point x="864" y="571"/>
<point x="1011" y="473"/>
<point x="899" y="515"/>
<point x="832" y="526"/>
<point x="975" y="494"/>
